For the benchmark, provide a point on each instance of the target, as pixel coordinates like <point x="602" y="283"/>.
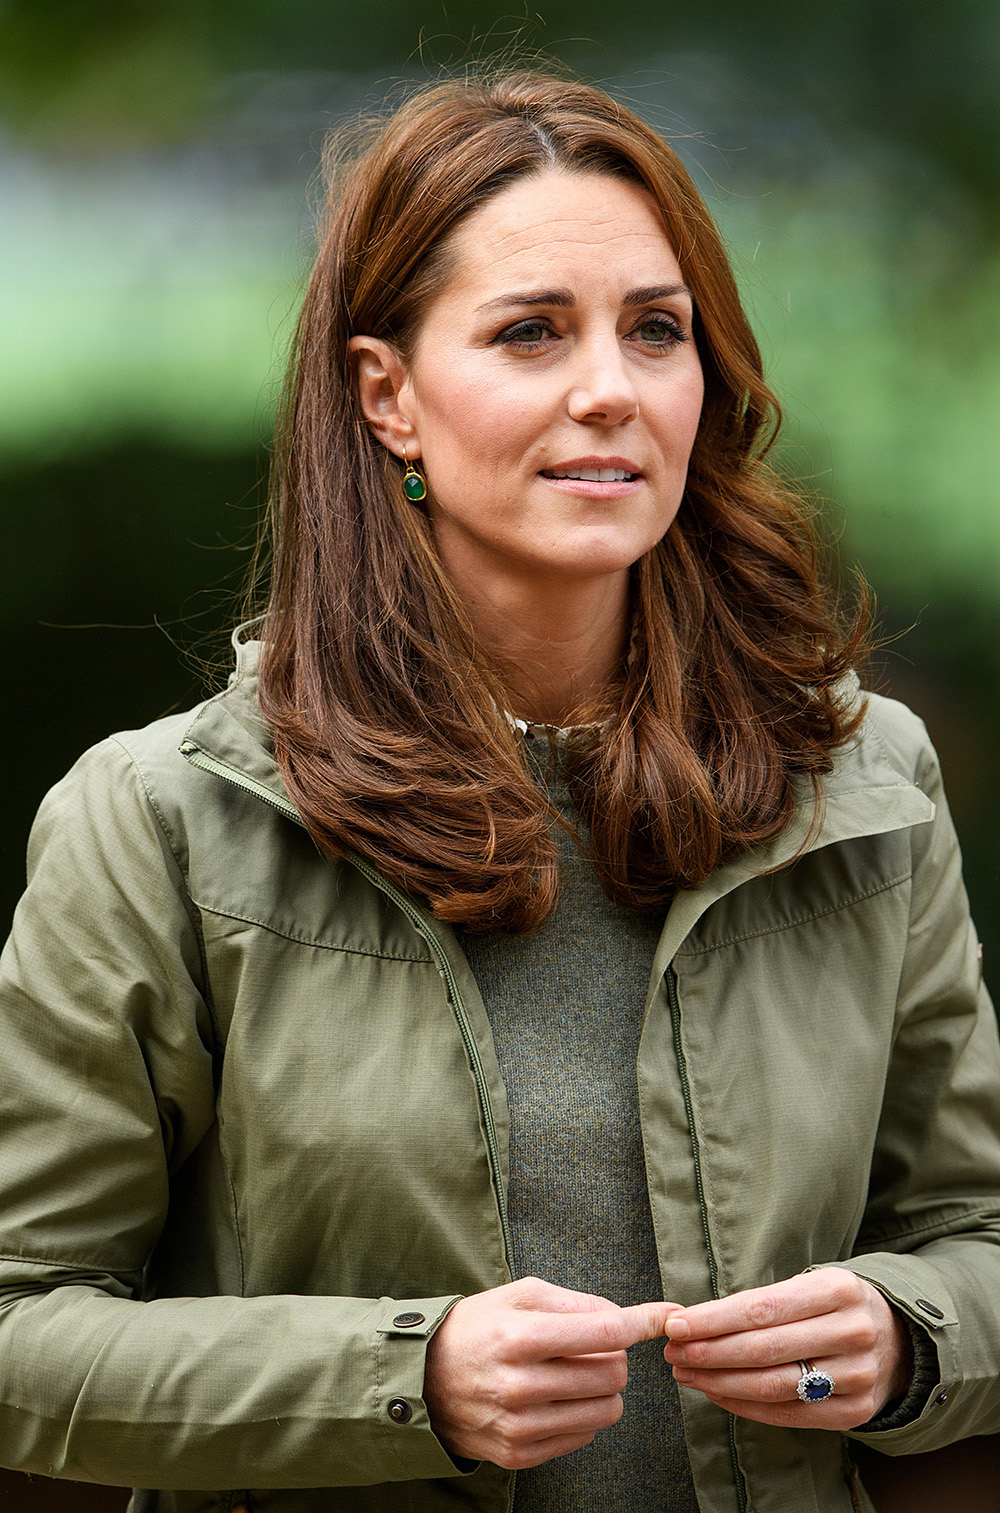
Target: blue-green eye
<point x="527" y="333"/>
<point x="659" y="330"/>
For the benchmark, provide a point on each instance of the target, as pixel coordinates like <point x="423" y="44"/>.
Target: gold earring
<point x="414" y="483"/>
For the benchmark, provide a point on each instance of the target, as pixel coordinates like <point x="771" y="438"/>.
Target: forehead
<point x="589" y="225"/>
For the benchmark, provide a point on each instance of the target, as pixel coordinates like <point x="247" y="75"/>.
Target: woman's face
<point x="554" y="388"/>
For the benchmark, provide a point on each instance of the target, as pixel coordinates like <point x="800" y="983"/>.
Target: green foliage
<point x="74" y="75"/>
<point x="911" y="71"/>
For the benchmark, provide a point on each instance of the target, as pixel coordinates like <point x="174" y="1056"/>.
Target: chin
<point x="603" y="559"/>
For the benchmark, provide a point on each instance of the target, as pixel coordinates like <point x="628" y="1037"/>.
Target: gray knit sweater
<point x="566" y="1009"/>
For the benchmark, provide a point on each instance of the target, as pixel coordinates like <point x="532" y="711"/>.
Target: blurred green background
<point x="157" y="186"/>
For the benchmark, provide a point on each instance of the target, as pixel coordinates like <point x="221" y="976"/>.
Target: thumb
<point x="645" y="1321"/>
<point x="601" y="1331"/>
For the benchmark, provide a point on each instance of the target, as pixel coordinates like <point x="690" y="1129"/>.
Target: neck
<point x="560" y="642"/>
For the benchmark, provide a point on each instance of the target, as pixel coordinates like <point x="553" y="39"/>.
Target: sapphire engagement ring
<point x="814" y="1385"/>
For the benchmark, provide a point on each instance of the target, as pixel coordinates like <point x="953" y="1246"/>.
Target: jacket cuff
<point x="915" y="1289"/>
<point x="926" y="1371"/>
<point x="402" y="1331"/>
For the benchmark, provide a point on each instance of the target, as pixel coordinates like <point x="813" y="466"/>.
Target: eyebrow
<point x="563" y="298"/>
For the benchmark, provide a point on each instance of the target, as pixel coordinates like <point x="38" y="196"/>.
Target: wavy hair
<point x="385" y="712"/>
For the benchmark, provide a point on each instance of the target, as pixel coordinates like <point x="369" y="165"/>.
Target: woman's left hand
<point x="745" y="1352"/>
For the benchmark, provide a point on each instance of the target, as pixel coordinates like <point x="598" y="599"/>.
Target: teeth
<point x="591" y="475"/>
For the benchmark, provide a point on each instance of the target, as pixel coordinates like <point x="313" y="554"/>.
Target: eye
<point x="525" y="335"/>
<point x="660" y="330"/>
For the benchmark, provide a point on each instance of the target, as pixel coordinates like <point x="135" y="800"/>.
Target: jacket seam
<point x="705" y="1166"/>
<point x="387" y="1434"/>
<point x="879" y="737"/>
<point x="943" y="1226"/>
<point x="60" y="1263"/>
<point x="237" y="1230"/>
<point x="192" y="911"/>
<point x="799" y="919"/>
<point x="218" y="1042"/>
<point x="308" y="940"/>
<point x="868" y="787"/>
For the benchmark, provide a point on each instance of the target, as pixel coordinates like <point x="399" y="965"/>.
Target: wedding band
<point x="814" y="1385"/>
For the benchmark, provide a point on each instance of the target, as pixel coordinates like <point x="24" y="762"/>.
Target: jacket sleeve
<point x="930" y="1239"/>
<point x="106" y="1084"/>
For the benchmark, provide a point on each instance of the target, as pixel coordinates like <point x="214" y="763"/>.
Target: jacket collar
<point x="863" y="795"/>
<point x="230" y="731"/>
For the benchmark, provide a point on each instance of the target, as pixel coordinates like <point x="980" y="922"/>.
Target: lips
<point x="591" y="475"/>
<point x="595" y="470"/>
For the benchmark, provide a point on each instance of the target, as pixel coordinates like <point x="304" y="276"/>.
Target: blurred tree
<point x="75" y="75"/>
<point x="915" y="72"/>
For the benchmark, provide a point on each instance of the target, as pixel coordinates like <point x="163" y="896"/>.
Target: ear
<point x="381" y="378"/>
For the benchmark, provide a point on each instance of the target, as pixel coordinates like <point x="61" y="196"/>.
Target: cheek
<point x="483" y="425"/>
<point x="683" y="416"/>
<point x="697" y="403"/>
<point x="691" y="394"/>
<point x="507" y="409"/>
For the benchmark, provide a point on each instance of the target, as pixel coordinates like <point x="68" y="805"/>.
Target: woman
<point x="541" y="901"/>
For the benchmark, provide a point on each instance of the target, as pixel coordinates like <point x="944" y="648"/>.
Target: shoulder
<point x="140" y="758"/>
<point x="153" y="760"/>
<point x="118" y="793"/>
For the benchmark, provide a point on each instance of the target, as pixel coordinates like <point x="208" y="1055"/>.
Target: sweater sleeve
<point x="930" y="1240"/>
<point x="107" y="1084"/>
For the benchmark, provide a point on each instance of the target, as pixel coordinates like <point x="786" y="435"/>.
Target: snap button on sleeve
<point x="930" y="1308"/>
<point x="399" y="1411"/>
<point x="941" y="1399"/>
<point x="407" y="1320"/>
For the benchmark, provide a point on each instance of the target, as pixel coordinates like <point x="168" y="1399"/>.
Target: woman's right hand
<point x="529" y="1371"/>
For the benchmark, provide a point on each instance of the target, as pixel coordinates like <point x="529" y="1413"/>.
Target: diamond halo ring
<point x="813" y="1385"/>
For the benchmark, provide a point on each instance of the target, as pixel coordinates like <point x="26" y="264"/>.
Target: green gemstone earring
<point x="414" y="483"/>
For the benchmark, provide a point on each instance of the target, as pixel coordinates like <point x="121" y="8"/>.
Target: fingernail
<point x="682" y="1375"/>
<point x="677" y="1327"/>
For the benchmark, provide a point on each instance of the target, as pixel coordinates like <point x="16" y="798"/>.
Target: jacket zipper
<point x="713" y="1269"/>
<point x="472" y="1051"/>
<point x="205" y="763"/>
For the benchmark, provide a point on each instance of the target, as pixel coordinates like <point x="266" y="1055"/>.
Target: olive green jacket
<point x="251" y="1119"/>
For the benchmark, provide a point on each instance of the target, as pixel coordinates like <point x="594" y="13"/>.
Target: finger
<point x="777" y="1384"/>
<point x="517" y="1440"/>
<point x="584" y="1416"/>
<point x="533" y="1335"/>
<point x="601" y="1331"/>
<point x="802" y="1297"/>
<point x="851" y="1332"/>
<point x="534" y="1454"/>
<point x="835" y="1413"/>
<point x="569" y="1377"/>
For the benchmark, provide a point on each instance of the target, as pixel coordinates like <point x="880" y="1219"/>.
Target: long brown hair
<point x="387" y="718"/>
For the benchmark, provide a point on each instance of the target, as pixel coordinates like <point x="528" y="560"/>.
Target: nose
<point x="603" y="390"/>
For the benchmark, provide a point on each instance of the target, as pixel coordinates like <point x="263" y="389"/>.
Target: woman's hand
<point x="744" y="1351"/>
<point x="525" y="1372"/>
